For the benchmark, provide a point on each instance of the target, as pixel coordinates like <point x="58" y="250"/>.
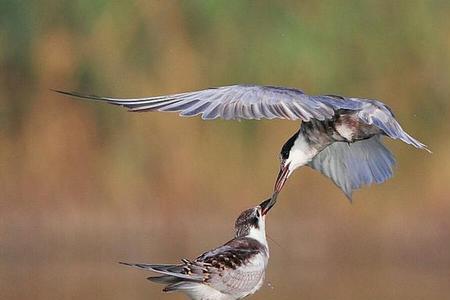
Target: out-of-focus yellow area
<point x="85" y="185"/>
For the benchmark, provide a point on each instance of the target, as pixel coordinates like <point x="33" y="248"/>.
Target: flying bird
<point x="231" y="271"/>
<point x="339" y="136"/>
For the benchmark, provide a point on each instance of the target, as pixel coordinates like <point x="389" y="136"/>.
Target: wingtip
<point x="421" y="146"/>
<point x="348" y="194"/>
<point x="425" y="147"/>
<point x="60" y="91"/>
<point x="349" y="197"/>
<point x="72" y="94"/>
<point x="416" y="143"/>
<point x="78" y="95"/>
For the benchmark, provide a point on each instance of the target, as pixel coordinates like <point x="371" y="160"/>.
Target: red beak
<point x="281" y="178"/>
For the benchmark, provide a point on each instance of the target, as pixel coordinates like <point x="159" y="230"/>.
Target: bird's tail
<point x="166" y="269"/>
<point x="350" y="166"/>
<point x="164" y="279"/>
<point x="152" y="267"/>
<point x="183" y="286"/>
<point x="173" y="278"/>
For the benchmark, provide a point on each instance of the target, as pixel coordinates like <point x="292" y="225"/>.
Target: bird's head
<point x="287" y="164"/>
<point x="252" y="222"/>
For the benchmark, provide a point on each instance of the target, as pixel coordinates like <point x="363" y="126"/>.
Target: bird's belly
<point x="247" y="279"/>
<point x="205" y="292"/>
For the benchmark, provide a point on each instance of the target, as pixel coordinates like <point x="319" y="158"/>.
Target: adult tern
<point x="339" y="136"/>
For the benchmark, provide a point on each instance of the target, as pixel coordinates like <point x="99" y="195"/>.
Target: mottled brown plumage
<point x="228" y="272"/>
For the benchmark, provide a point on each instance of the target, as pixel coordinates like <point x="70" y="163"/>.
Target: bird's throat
<point x="306" y="147"/>
<point x="302" y="152"/>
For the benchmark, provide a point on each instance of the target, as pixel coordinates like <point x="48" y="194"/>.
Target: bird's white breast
<point x="301" y="153"/>
<point x="259" y="234"/>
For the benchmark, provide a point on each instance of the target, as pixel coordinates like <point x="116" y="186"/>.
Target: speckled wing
<point x="237" y="267"/>
<point x="239" y="102"/>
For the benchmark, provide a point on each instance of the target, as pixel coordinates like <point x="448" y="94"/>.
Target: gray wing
<point x="263" y="102"/>
<point x="378" y="114"/>
<point x="350" y="166"/>
<point x="239" y="102"/>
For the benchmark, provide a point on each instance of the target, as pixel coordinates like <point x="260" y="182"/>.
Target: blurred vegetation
<point x="85" y="185"/>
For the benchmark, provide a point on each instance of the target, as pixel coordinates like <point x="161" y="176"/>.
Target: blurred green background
<point x="84" y="185"/>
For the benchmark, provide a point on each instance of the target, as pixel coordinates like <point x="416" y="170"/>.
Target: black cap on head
<point x="288" y="145"/>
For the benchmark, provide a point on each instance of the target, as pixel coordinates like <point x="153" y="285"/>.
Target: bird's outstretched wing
<point x="239" y="102"/>
<point x="263" y="102"/>
<point x="350" y="166"/>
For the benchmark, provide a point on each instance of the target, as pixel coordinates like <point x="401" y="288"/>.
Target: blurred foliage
<point x="85" y="184"/>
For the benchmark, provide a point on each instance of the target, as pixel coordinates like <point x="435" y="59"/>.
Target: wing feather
<point x="377" y="114"/>
<point x="171" y="270"/>
<point x="350" y="166"/>
<point x="237" y="102"/>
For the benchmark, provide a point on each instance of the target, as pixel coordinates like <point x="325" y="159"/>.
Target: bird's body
<point x="353" y="154"/>
<point x="339" y="136"/>
<point x="229" y="272"/>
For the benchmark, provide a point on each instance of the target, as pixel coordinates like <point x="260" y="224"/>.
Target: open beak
<point x="281" y="179"/>
<point x="266" y="206"/>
